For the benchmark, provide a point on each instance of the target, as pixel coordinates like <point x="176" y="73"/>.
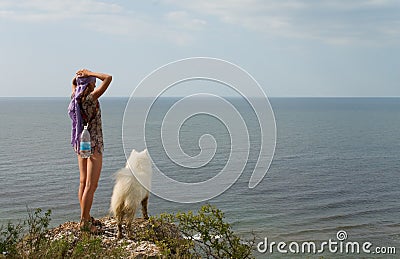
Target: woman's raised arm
<point x="105" y="78"/>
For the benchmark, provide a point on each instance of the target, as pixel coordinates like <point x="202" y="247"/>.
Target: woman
<point x="84" y="109"/>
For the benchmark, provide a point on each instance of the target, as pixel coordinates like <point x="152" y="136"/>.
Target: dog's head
<point x="139" y="161"/>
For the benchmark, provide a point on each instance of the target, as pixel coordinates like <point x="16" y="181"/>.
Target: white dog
<point x="131" y="188"/>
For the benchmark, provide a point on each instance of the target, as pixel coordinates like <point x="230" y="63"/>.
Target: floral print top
<point x="91" y="115"/>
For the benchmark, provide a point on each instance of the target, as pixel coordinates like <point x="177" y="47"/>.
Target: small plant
<point x="91" y="247"/>
<point x="12" y="242"/>
<point x="57" y="249"/>
<point x="208" y="235"/>
<point x="167" y="236"/>
<point x="88" y="245"/>
<point x="9" y="238"/>
<point x="37" y="227"/>
<point x="164" y="234"/>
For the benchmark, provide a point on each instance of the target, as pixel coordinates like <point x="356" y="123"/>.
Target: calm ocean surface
<point x="336" y="167"/>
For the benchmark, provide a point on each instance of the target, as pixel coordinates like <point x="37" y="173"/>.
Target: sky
<point x="326" y="48"/>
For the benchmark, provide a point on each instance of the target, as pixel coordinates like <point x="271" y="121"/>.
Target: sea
<point x="335" y="169"/>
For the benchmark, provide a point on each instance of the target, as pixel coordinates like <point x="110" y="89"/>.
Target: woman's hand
<point x="83" y="73"/>
<point x="103" y="77"/>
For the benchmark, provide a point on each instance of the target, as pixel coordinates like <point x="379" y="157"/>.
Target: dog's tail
<point x="123" y="183"/>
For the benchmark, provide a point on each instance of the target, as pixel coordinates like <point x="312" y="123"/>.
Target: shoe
<point x="87" y="226"/>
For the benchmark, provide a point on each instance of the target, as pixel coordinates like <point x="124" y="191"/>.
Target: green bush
<point x="91" y="247"/>
<point x="37" y="227"/>
<point x="57" y="249"/>
<point x="9" y="237"/>
<point x="87" y="246"/>
<point x="12" y="241"/>
<point x="207" y="235"/>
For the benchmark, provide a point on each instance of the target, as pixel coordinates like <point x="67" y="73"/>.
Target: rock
<point x="132" y="240"/>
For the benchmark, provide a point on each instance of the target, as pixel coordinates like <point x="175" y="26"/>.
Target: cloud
<point x="184" y="20"/>
<point x="178" y="27"/>
<point x="55" y="10"/>
<point x="181" y="22"/>
<point x="330" y="21"/>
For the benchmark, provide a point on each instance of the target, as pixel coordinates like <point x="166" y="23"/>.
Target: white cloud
<point x="183" y="20"/>
<point x="55" y="10"/>
<point x="177" y="27"/>
<point x="331" y="21"/>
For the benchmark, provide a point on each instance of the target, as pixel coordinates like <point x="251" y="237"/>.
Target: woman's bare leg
<point x="94" y="164"/>
<point x="82" y="181"/>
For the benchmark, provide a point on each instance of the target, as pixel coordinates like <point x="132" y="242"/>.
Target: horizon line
<point x="228" y="96"/>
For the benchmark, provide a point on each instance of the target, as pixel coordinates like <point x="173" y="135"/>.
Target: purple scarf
<point x="74" y="110"/>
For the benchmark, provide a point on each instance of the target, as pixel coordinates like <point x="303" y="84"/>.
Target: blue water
<point x="336" y="166"/>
